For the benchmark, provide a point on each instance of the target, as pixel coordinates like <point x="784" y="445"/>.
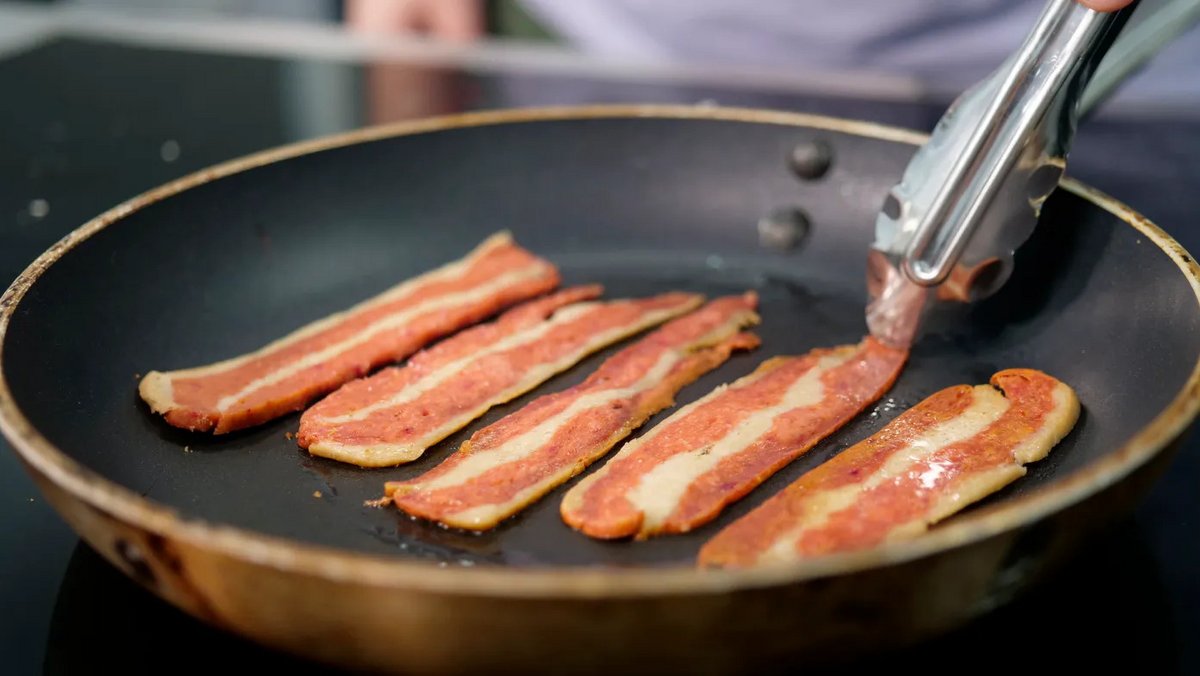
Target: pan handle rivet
<point x="783" y="229"/>
<point x="811" y="160"/>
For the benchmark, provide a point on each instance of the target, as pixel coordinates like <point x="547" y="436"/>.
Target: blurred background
<point x="898" y="50"/>
<point x="103" y="99"/>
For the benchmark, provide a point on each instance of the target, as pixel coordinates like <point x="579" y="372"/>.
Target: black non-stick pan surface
<point x="640" y="204"/>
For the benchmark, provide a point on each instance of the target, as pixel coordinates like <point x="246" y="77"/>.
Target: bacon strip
<point x="290" y="372"/>
<point x="394" y="415"/>
<point x="513" y="462"/>
<point x="952" y="449"/>
<point x="682" y="473"/>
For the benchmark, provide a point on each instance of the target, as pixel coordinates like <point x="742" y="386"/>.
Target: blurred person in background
<point x="942" y="46"/>
<point x="959" y="41"/>
<point x="948" y="43"/>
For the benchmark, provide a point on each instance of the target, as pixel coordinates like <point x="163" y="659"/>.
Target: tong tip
<point x="896" y="304"/>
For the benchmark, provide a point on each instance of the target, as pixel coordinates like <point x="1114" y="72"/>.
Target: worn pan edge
<point x="339" y="565"/>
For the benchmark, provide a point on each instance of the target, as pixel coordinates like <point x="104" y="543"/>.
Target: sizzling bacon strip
<point x="513" y="462"/>
<point x="394" y="415"/>
<point x="290" y="372"/>
<point x="682" y="473"/>
<point x="950" y="450"/>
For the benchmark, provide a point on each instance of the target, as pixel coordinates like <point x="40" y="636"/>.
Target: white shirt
<point x="947" y="44"/>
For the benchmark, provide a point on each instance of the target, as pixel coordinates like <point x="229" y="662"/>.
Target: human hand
<point x="1106" y="5"/>
<point x="451" y="20"/>
<point x="399" y="91"/>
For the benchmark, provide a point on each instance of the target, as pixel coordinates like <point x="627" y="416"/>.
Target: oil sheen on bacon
<point x="394" y="415"/>
<point x="518" y="459"/>
<point x="682" y="473"/>
<point x="945" y="453"/>
<point x="287" y="374"/>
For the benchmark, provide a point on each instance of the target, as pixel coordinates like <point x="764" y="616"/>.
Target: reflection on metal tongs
<point x="971" y="195"/>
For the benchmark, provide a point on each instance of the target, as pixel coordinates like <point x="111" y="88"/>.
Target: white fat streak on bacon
<point x="388" y="323"/>
<point x="1036" y="446"/>
<point x="481" y="461"/>
<point x="915" y="460"/>
<point x="517" y="340"/>
<point x="574" y="499"/>
<point x="659" y="491"/>
<point x="521" y="446"/>
<point x="485" y="515"/>
<point x="433" y="379"/>
<point x="159" y="382"/>
<point x="987" y="405"/>
<point x="402" y="452"/>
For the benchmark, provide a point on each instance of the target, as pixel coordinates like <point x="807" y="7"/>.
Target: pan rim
<point x="347" y="566"/>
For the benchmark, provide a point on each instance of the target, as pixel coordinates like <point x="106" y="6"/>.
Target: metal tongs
<point x="972" y="194"/>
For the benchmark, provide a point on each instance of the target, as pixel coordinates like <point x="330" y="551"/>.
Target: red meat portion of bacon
<point x="515" y="461"/>
<point x="947" y="452"/>
<point x="394" y="415"/>
<point x="289" y="373"/>
<point x="682" y="473"/>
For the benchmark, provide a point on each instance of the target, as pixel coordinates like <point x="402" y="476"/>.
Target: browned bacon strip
<point x="292" y="371"/>
<point x="682" y="473"/>
<point x="394" y="415"/>
<point x="950" y="450"/>
<point x="520" y="458"/>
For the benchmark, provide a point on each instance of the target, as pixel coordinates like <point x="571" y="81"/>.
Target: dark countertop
<point x="86" y="125"/>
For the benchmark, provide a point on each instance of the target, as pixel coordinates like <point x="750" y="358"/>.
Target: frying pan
<point x="642" y="199"/>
